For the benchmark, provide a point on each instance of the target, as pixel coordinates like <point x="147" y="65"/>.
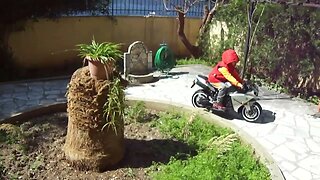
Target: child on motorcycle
<point x="224" y="76"/>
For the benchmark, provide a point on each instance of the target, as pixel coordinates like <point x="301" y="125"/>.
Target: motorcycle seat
<point x="211" y="87"/>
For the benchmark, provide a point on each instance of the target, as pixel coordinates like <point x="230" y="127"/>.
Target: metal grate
<point x="151" y="8"/>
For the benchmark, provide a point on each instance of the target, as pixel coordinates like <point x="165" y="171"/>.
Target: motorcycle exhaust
<point x="205" y="102"/>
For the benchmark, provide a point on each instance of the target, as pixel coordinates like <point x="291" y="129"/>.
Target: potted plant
<point x="101" y="58"/>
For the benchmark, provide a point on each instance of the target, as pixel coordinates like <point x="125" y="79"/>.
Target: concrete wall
<point x="51" y="43"/>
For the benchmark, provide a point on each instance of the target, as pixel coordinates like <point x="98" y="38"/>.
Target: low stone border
<point x="36" y="111"/>
<point x="265" y="157"/>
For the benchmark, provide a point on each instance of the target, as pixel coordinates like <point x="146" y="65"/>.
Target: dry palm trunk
<point x="88" y="146"/>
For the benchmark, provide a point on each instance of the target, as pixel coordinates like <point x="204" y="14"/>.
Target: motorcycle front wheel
<point x="199" y="96"/>
<point x="251" y="114"/>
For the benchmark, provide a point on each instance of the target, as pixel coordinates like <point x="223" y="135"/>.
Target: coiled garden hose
<point x="164" y="59"/>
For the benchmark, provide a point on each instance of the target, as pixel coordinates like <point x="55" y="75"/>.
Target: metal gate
<point x="153" y="8"/>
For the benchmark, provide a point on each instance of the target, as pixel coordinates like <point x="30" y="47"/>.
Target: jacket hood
<point x="229" y="56"/>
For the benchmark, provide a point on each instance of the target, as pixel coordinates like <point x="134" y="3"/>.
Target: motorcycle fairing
<point x="239" y="99"/>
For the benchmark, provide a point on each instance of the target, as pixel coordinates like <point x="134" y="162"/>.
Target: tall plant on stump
<point x="95" y="136"/>
<point x="101" y="58"/>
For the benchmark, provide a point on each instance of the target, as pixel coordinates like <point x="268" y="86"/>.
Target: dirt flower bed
<point x="159" y="145"/>
<point x="34" y="151"/>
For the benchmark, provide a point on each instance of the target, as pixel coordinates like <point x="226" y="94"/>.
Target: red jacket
<point x="228" y="57"/>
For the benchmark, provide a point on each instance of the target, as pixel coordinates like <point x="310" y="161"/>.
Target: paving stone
<point x="284" y="152"/>
<point x="264" y="129"/>
<point x="312" y="163"/>
<point x="32" y="103"/>
<point x="19" y="95"/>
<point x="6" y="100"/>
<point x="265" y="143"/>
<point x="61" y="100"/>
<point x="284" y="130"/>
<point x="316" y="177"/>
<point x="36" y="89"/>
<point x="52" y="97"/>
<point x="298" y="147"/>
<point x="288" y="166"/>
<point x="9" y="107"/>
<point x="5" y="95"/>
<point x="314" y="131"/>
<point x="314" y="146"/>
<point x="315" y="123"/>
<point x="288" y="119"/>
<point x="6" y="89"/>
<point x="302" y="132"/>
<point x="19" y="102"/>
<point x="20" y="90"/>
<point x="289" y="176"/>
<point x="302" y="174"/>
<point x="35" y="95"/>
<point x="24" y="98"/>
<point x="52" y="92"/>
<point x="36" y="84"/>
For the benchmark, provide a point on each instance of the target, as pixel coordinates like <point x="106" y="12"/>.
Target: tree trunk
<point x="194" y="50"/>
<point x="88" y="146"/>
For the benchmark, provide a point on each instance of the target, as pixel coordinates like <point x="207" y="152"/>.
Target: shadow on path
<point x="266" y="116"/>
<point x="171" y="75"/>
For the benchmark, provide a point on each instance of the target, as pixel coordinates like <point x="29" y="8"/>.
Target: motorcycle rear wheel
<point x="197" y="96"/>
<point x="252" y="114"/>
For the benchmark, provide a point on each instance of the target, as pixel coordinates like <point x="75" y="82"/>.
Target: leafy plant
<point x="137" y="112"/>
<point x="39" y="162"/>
<point x="221" y="155"/>
<point x="113" y="109"/>
<point x="2" y="168"/>
<point x="193" y="130"/>
<point x="195" y="61"/>
<point x="10" y="134"/>
<point x="314" y="99"/>
<point x="103" y="52"/>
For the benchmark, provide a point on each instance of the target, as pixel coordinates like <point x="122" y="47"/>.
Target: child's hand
<point x="240" y="85"/>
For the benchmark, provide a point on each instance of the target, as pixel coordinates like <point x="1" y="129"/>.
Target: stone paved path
<point x="288" y="130"/>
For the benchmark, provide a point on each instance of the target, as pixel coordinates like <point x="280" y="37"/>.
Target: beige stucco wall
<point x="51" y="43"/>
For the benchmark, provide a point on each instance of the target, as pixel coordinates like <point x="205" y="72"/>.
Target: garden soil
<point x="35" y="151"/>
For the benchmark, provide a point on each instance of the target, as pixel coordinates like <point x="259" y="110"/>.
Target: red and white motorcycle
<point x="243" y="102"/>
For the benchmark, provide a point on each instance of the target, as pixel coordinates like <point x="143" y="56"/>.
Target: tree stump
<point x="88" y="145"/>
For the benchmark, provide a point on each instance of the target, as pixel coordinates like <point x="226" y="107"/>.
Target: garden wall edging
<point x="266" y="158"/>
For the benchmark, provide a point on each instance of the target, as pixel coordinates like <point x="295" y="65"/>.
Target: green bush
<point x="136" y="113"/>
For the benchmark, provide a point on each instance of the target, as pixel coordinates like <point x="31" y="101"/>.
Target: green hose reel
<point x="164" y="59"/>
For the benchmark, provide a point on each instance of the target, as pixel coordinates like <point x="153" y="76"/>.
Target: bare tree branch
<point x="205" y="15"/>
<point x="186" y="6"/>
